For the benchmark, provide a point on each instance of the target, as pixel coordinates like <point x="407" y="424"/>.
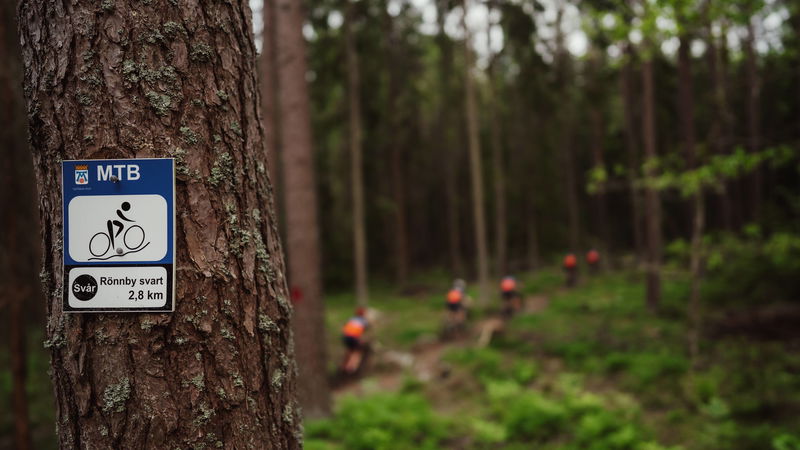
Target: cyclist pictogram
<point x="122" y="237"/>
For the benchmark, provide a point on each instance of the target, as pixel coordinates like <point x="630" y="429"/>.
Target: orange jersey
<point x="508" y="285"/>
<point x="454" y="296"/>
<point x="592" y="257"/>
<point x="354" y="327"/>
<point x="570" y="261"/>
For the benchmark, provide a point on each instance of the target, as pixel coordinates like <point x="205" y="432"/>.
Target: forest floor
<point x="581" y="368"/>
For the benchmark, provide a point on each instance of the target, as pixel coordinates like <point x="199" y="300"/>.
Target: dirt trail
<point x="424" y="361"/>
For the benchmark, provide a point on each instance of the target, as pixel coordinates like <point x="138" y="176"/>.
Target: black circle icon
<point x="84" y="287"/>
<point x="126" y="206"/>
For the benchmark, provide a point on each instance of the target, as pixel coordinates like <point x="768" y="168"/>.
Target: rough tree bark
<point x="686" y="104"/>
<point x="476" y="166"/>
<point x="631" y="149"/>
<point x="652" y="203"/>
<point x="127" y="79"/>
<point x="19" y="257"/>
<point x="355" y="137"/>
<point x="449" y="153"/>
<point x="300" y="206"/>
<point x="268" y="83"/>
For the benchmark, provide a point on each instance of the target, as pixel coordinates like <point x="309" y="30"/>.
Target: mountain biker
<point x="354" y="340"/>
<point x="571" y="269"/>
<point x="456" y="302"/>
<point x="593" y="259"/>
<point x="510" y="295"/>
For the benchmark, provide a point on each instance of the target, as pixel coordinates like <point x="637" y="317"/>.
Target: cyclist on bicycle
<point x="593" y="259"/>
<point x="354" y="340"/>
<point x="571" y="269"/>
<point x="512" y="301"/>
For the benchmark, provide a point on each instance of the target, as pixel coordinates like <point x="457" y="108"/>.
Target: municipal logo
<point x="81" y="174"/>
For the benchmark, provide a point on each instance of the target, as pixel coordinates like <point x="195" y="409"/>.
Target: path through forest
<point x="424" y="361"/>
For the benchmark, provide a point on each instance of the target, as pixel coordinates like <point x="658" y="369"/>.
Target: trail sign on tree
<point x="119" y="239"/>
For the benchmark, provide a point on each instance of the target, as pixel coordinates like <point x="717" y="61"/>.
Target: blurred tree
<point x="268" y="82"/>
<point x="498" y="158"/>
<point x="168" y="81"/>
<point x="475" y="163"/>
<point x="19" y="256"/>
<point x="355" y="138"/>
<point x="300" y="205"/>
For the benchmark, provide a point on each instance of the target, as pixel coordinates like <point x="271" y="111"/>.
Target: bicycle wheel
<point x="95" y="247"/>
<point x="135" y="238"/>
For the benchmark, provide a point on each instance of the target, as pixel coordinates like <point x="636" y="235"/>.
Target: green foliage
<point x="382" y="421"/>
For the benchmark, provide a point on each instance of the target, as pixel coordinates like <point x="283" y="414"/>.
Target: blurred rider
<point x="571" y="269"/>
<point x="354" y="340"/>
<point x="510" y="294"/>
<point x="456" y="301"/>
<point x="593" y="259"/>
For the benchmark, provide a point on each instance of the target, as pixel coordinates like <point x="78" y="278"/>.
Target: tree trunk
<point x="498" y="164"/>
<point x="356" y="157"/>
<point x="753" y="119"/>
<point x="631" y="147"/>
<point x="719" y="133"/>
<point x="449" y="153"/>
<point x="19" y="258"/>
<point x="601" y="207"/>
<point x="686" y="102"/>
<point x="268" y="83"/>
<point x="131" y="79"/>
<point x="651" y="199"/>
<point x="565" y="132"/>
<point x="476" y="167"/>
<point x="300" y="204"/>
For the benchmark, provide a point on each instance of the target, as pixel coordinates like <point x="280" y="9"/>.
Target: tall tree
<point x="753" y="112"/>
<point x="475" y="164"/>
<point x="652" y="202"/>
<point x="631" y="150"/>
<point x="596" y="92"/>
<point x="687" y="117"/>
<point x="19" y="280"/>
<point x="300" y="205"/>
<point x="132" y="79"/>
<point x="443" y="136"/>
<point x="355" y="137"/>
<point x="498" y="160"/>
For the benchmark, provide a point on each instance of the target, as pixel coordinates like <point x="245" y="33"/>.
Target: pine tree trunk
<point x="476" y="167"/>
<point x="19" y="257"/>
<point x="268" y="83"/>
<point x="601" y="206"/>
<point x="498" y="165"/>
<point x="652" y="203"/>
<point x="631" y="147"/>
<point x="450" y="156"/>
<point x="300" y="205"/>
<point x="753" y="119"/>
<point x="356" y="158"/>
<point x="131" y="79"/>
<point x="719" y="132"/>
<point x="686" y="102"/>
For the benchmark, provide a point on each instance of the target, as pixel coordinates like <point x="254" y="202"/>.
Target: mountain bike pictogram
<point x="104" y="242"/>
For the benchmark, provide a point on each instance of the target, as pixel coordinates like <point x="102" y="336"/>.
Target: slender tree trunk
<point x="476" y="166"/>
<point x="719" y="133"/>
<point x="156" y="80"/>
<point x="396" y="161"/>
<point x="565" y="132"/>
<point x="652" y="203"/>
<point x="356" y="158"/>
<point x="269" y="88"/>
<point x="601" y="207"/>
<point x="753" y="119"/>
<point x="302" y="225"/>
<point x="631" y="147"/>
<point x="450" y="156"/>
<point x="498" y="164"/>
<point x="19" y="258"/>
<point x="686" y="102"/>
